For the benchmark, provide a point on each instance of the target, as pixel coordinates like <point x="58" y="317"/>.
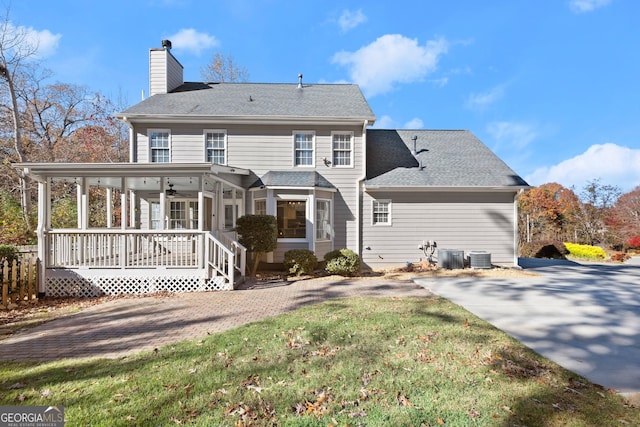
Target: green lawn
<point x="359" y="361"/>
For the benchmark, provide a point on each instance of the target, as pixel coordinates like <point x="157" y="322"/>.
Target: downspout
<point x="359" y="184"/>
<point x="515" y="226"/>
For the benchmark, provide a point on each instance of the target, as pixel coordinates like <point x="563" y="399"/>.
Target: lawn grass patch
<point x="357" y="361"/>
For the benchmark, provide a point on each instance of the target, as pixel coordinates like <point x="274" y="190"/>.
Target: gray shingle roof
<point x="341" y="101"/>
<point x="306" y="179"/>
<point x="445" y="158"/>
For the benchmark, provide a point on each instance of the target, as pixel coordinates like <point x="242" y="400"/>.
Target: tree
<point x="224" y="69"/>
<point x="258" y="233"/>
<point x="15" y="50"/>
<point x="597" y="201"/>
<point x="547" y="213"/>
<point x="625" y="215"/>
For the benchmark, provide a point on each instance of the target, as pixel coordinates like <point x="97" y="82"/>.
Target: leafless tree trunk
<point x="14" y="50"/>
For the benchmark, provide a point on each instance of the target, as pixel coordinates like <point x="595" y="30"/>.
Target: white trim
<point x="313" y="147"/>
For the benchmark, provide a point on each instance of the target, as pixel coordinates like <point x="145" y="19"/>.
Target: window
<point x="323" y="220"/>
<point x="260" y="207"/>
<point x="182" y="215"/>
<point x="159" y="146"/>
<point x="342" y="149"/>
<point x="303" y="148"/>
<point x="292" y="219"/>
<point x="215" y="143"/>
<point x="155" y="215"/>
<point x="381" y="212"/>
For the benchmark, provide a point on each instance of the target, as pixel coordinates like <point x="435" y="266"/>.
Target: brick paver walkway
<point x="124" y="326"/>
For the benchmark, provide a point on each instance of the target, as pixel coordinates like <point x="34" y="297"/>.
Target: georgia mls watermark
<point x="31" y="416"/>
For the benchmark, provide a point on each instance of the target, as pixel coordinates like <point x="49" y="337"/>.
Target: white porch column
<point x="163" y="206"/>
<point x="109" y="208"/>
<point x="219" y="206"/>
<point x="44" y="223"/>
<point x="124" y="249"/>
<point x="83" y="208"/>
<point x="201" y="239"/>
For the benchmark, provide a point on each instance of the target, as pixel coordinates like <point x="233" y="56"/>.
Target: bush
<point x="344" y="262"/>
<point x="8" y="252"/>
<point x="585" y="251"/>
<point x="619" y="257"/>
<point x="257" y="233"/>
<point x="300" y="261"/>
<point x="544" y="249"/>
<point x="634" y="242"/>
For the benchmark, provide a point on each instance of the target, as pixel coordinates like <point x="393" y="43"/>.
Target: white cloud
<point x="583" y="6"/>
<point x="415" y="123"/>
<point x="611" y="163"/>
<point x="349" y="20"/>
<point x="512" y="134"/>
<point x="391" y="59"/>
<point x="385" y="122"/>
<point x="43" y="42"/>
<point x="480" y="101"/>
<point x="190" y="40"/>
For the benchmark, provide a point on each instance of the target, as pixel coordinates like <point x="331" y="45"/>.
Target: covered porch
<point x="137" y="227"/>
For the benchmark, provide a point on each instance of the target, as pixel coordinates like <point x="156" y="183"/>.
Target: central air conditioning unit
<point x="451" y="259"/>
<point x="480" y="259"/>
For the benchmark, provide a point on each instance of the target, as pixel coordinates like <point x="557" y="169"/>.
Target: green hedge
<point x="300" y="261"/>
<point x="344" y="262"/>
<point x="585" y="251"/>
<point x="8" y="252"/>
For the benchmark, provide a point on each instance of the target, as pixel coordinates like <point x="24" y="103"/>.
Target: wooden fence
<point x="19" y="281"/>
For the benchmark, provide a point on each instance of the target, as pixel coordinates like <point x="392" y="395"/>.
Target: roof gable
<point x="444" y="158"/>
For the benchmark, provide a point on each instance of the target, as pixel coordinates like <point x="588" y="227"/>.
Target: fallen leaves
<point x="316" y="407"/>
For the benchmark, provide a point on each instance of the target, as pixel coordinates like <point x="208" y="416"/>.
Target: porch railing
<point x="220" y="254"/>
<point x="225" y="256"/>
<point x="124" y="248"/>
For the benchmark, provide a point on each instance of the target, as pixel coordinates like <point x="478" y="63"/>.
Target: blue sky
<point x="552" y="86"/>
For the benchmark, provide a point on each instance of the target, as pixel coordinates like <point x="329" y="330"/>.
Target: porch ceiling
<point x="142" y="177"/>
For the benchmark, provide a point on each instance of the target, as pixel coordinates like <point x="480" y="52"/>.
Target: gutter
<point x="359" y="187"/>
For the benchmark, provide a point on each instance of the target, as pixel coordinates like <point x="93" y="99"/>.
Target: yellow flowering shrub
<point x="585" y="251"/>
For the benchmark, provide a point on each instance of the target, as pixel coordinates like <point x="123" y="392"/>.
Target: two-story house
<point x="204" y="154"/>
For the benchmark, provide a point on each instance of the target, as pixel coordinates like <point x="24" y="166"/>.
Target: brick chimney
<point x="165" y="72"/>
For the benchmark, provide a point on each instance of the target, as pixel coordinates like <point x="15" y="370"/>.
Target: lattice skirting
<point x="70" y="283"/>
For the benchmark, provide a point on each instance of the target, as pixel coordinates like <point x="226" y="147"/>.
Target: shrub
<point x="8" y="252"/>
<point x="300" y="261"/>
<point x="619" y="257"/>
<point x="544" y="249"/>
<point x="344" y="262"/>
<point x="258" y="233"/>
<point x="585" y="251"/>
<point x="634" y="242"/>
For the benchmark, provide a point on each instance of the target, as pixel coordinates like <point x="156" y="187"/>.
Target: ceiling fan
<point x="170" y="192"/>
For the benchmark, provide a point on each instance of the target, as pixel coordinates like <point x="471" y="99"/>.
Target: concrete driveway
<point x="585" y="317"/>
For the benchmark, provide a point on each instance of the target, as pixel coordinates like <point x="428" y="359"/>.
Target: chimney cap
<point x="166" y="44"/>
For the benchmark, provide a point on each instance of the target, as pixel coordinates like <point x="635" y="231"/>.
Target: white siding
<point x="270" y="148"/>
<point x="165" y="72"/>
<point x="463" y="221"/>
